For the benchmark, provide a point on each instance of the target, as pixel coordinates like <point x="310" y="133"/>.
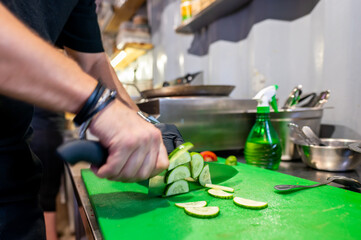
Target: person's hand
<point x="135" y="147"/>
<point x="171" y="136"/>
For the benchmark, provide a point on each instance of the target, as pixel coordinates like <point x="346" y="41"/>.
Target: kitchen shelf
<point x="129" y="53"/>
<point x="214" y="11"/>
<point x="118" y="14"/>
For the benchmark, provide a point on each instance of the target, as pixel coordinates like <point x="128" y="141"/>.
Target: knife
<point x="93" y="152"/>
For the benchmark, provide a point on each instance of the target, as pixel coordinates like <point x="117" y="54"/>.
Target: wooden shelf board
<point x="133" y="51"/>
<point x="122" y="14"/>
<point x="214" y="11"/>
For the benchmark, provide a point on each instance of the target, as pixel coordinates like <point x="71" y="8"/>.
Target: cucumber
<point x="247" y="203"/>
<point x="192" y="204"/>
<point x="180" y="150"/>
<point x="180" y="186"/>
<point x="220" y="194"/>
<point x="179" y="159"/>
<point x="197" y="163"/>
<point x="227" y="189"/>
<point x="202" y="212"/>
<point x="178" y="173"/>
<point x="231" y="160"/>
<point x="205" y="176"/>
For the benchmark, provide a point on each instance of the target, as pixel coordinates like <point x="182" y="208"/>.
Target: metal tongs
<point x="293" y="97"/>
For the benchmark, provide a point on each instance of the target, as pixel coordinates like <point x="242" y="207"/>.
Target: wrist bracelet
<point x="107" y="97"/>
<point x="89" y="104"/>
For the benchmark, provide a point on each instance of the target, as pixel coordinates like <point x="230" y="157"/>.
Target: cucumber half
<point x="178" y="173"/>
<point x="179" y="159"/>
<point x="202" y="212"/>
<point x="178" y="187"/>
<point x="247" y="203"/>
<point x="205" y="176"/>
<point x="197" y="163"/>
<point x="220" y="194"/>
<point x="192" y="204"/>
<point x="227" y="189"/>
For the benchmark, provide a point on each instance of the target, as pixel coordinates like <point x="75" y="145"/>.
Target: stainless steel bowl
<point x="336" y="156"/>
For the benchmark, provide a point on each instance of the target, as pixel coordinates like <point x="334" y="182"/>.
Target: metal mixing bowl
<point x="336" y="156"/>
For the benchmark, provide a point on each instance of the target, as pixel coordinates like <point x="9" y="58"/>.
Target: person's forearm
<point x="98" y="66"/>
<point x="32" y="70"/>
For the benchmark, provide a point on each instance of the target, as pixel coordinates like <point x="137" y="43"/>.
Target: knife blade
<point x="93" y="152"/>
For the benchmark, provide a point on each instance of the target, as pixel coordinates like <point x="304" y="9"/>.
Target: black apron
<point x="20" y="174"/>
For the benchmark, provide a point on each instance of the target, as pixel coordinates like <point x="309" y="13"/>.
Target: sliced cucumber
<point x="197" y="163"/>
<point x="205" y="176"/>
<point x="220" y="194"/>
<point x="180" y="149"/>
<point x="180" y="186"/>
<point x="247" y="203"/>
<point x="156" y="185"/>
<point x="202" y="212"/>
<point x="227" y="189"/>
<point x="178" y="173"/>
<point x="177" y="160"/>
<point x="192" y="204"/>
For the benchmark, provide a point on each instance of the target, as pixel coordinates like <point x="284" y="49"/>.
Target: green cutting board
<point x="124" y="210"/>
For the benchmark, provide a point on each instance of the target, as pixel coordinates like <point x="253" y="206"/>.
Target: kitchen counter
<point x="85" y="216"/>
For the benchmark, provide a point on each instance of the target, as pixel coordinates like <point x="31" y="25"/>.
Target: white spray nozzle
<point x="267" y="96"/>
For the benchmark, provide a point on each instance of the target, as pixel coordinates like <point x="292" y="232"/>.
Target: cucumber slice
<point x="197" y="163"/>
<point x="180" y="149"/>
<point x="179" y="159"/>
<point x="205" y="176"/>
<point x="202" y="212"/>
<point x="247" y="203"/>
<point x="178" y="173"/>
<point x="180" y="186"/>
<point x="220" y="194"/>
<point x="192" y="204"/>
<point x="227" y="189"/>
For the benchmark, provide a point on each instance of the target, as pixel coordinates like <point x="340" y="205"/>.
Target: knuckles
<point x="143" y="174"/>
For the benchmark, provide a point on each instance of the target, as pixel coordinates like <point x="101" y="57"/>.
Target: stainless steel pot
<point x="223" y="123"/>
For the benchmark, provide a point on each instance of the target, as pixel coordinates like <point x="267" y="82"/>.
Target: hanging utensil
<point x="293" y="97"/>
<point x="308" y="100"/>
<point x="312" y="136"/>
<point x="300" y="135"/>
<point x="322" y="99"/>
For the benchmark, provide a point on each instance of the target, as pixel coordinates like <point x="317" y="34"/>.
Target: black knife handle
<point x="83" y="150"/>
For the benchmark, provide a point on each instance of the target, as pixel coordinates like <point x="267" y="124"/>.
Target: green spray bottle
<point x="263" y="147"/>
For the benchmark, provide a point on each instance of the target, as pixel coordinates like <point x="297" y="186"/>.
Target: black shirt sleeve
<point x="81" y="32"/>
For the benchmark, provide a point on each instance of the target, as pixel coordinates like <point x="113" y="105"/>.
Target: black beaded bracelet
<point x="89" y="104"/>
<point x="106" y="98"/>
<point x="102" y="104"/>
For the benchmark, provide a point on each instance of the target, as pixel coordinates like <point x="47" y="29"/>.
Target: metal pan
<point x="189" y="90"/>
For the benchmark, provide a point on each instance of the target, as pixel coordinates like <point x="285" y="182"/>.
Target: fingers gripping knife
<point x="89" y="151"/>
<point x="94" y="153"/>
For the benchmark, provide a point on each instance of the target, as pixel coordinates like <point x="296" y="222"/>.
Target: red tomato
<point x="209" y="156"/>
